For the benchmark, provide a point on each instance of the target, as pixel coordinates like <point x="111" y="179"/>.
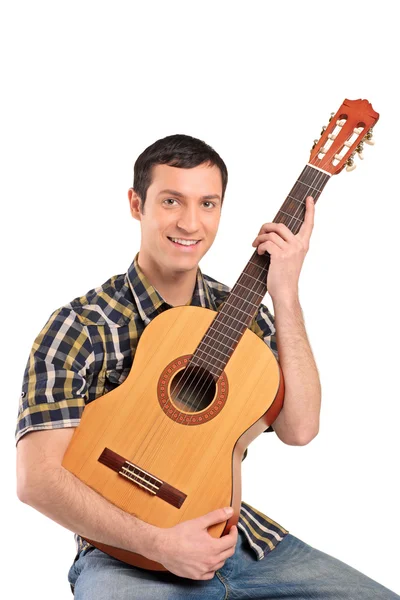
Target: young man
<point x="87" y="348"/>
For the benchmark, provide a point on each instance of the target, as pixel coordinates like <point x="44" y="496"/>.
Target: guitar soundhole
<point x="189" y="395"/>
<point x="192" y="389"/>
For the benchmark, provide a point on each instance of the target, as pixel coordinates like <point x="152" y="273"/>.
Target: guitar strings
<point x="316" y="180"/>
<point x="298" y="216"/>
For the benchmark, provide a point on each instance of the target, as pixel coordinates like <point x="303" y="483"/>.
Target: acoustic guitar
<point x="167" y="444"/>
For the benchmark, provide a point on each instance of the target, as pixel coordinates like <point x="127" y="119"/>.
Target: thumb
<point x="216" y="516"/>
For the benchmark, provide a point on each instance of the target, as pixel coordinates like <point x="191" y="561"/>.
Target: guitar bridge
<point x="142" y="478"/>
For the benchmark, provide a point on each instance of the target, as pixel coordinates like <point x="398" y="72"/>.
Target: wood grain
<point x="203" y="461"/>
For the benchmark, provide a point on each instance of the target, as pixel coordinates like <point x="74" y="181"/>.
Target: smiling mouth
<point x="188" y="244"/>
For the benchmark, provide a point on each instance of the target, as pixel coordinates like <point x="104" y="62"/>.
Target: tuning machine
<point x="350" y="164"/>
<point x="360" y="149"/>
<point x="322" y="132"/>
<point x="368" y="138"/>
<point x="314" y="144"/>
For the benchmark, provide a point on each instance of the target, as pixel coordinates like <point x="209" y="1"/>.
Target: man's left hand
<point x="287" y="253"/>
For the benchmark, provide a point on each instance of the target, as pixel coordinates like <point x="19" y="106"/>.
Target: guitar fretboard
<point x="244" y="299"/>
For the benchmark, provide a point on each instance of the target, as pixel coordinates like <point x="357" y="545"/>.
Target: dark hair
<point x="177" y="150"/>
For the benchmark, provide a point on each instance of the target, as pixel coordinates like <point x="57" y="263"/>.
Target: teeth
<point x="184" y="242"/>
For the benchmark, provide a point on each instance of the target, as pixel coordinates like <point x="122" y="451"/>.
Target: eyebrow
<point x="175" y="193"/>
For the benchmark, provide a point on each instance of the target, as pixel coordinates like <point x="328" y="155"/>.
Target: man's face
<point x="183" y="204"/>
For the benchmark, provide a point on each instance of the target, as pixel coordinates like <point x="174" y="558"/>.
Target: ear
<point x="134" y="204"/>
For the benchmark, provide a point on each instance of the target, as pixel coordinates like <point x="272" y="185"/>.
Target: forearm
<point x="65" y="499"/>
<point x="298" y="421"/>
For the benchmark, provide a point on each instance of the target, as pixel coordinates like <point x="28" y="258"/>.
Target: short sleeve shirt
<point x="87" y="348"/>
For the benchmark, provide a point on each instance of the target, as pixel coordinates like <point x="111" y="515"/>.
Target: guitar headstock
<point x="344" y="136"/>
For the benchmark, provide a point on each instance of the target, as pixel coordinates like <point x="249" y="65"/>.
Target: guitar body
<point x="195" y="454"/>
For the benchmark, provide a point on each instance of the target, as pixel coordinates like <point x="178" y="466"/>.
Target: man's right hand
<point x="188" y="550"/>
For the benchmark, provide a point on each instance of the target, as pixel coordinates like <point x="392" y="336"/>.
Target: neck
<point x="176" y="287"/>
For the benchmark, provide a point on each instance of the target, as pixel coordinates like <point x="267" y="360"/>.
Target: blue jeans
<point x="292" y="570"/>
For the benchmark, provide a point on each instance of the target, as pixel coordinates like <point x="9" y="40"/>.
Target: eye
<point x="166" y="200"/>
<point x="209" y="202"/>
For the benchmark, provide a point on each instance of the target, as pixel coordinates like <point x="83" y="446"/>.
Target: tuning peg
<point x="360" y="149"/>
<point x="331" y="117"/>
<point x="368" y="138"/>
<point x="323" y="129"/>
<point x="314" y="144"/>
<point x="351" y="165"/>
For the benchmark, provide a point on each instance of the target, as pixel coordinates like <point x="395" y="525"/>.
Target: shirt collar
<point x="150" y="302"/>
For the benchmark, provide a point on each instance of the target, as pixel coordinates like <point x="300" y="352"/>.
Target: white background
<point x="86" y="86"/>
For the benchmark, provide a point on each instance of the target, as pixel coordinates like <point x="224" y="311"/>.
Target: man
<point x="87" y="347"/>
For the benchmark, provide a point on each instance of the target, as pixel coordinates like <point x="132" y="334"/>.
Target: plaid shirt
<point x="86" y="349"/>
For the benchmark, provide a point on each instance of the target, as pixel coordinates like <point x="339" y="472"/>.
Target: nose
<point x="189" y="219"/>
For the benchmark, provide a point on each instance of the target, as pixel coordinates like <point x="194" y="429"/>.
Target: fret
<point x="234" y="319"/>
<point x="297" y="200"/>
<point x="217" y="341"/>
<point x="246" y="288"/>
<point x="221" y="333"/>
<point x="291" y="216"/>
<point x="203" y="342"/>
<point x="308" y="185"/>
<point x="244" y="299"/>
<point x="248" y="274"/>
<point x="257" y="265"/>
<point x="218" y="370"/>
<point x="227" y="306"/>
<point x="237" y="296"/>
<point x="319" y="169"/>
<point x="203" y="362"/>
<point x="213" y="357"/>
<point x="215" y="349"/>
<point x="214" y="370"/>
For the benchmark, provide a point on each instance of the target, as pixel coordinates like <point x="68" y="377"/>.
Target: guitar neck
<point x="310" y="183"/>
<point x="245" y="297"/>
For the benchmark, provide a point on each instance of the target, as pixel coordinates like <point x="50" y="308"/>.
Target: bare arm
<point x="298" y="421"/>
<point x="45" y="485"/>
<point x="49" y="488"/>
